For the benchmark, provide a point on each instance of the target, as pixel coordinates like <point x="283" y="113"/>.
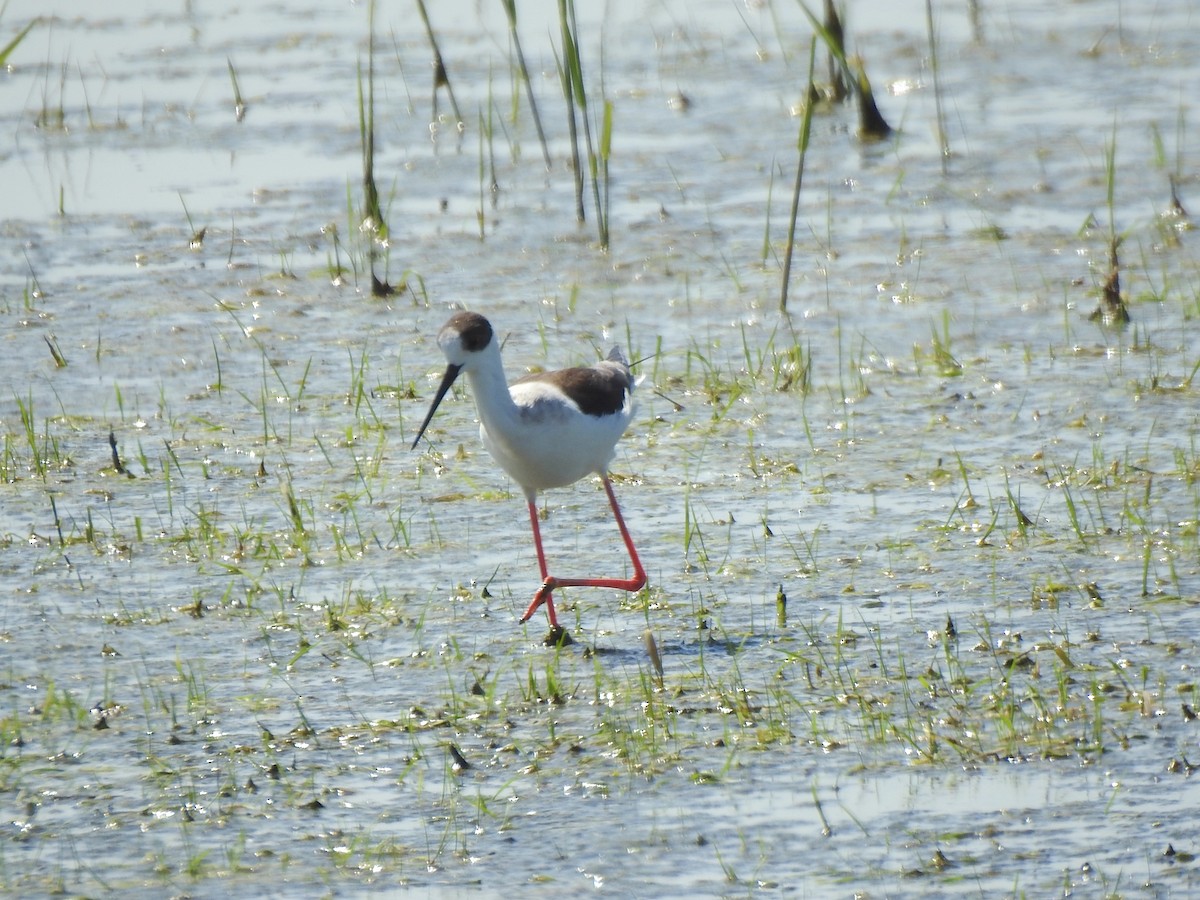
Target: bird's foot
<point x="545" y="595"/>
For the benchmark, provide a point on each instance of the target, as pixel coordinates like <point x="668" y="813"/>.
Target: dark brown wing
<point x="598" y="390"/>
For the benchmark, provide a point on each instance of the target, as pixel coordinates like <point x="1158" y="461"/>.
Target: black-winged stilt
<point x="545" y="430"/>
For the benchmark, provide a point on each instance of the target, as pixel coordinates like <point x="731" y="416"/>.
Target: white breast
<point x="550" y="443"/>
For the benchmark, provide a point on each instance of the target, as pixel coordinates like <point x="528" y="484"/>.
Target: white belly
<point x="550" y="445"/>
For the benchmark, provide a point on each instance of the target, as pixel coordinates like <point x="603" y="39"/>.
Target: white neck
<point x="489" y="386"/>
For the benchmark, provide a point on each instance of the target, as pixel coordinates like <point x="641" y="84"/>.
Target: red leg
<point x="549" y="583"/>
<point x="537" y="538"/>
<point x="545" y="593"/>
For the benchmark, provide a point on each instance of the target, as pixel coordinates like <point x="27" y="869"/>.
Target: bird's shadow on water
<point x="707" y="642"/>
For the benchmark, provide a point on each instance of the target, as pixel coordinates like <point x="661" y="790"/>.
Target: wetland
<point x="922" y="535"/>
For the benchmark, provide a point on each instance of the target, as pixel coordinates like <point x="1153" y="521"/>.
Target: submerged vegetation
<point x="923" y="536"/>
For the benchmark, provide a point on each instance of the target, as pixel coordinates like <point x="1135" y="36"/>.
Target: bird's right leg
<point x="545" y="593"/>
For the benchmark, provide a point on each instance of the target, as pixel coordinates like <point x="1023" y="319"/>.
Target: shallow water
<point x="244" y="665"/>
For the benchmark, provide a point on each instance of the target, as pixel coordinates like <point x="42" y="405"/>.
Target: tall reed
<point x="802" y="147"/>
<point x="510" y="10"/>
<point x="570" y="68"/>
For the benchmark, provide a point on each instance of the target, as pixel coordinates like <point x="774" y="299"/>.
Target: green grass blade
<point x="15" y="42"/>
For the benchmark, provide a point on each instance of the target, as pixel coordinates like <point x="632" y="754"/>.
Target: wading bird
<point x="545" y="430"/>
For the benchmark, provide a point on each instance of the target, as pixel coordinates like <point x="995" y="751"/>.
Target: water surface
<point x="243" y="663"/>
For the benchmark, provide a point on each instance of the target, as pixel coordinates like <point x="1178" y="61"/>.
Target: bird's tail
<point x="617" y="355"/>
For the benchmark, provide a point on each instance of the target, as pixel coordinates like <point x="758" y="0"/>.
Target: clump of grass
<point x="440" y="76"/>
<point x="572" y="121"/>
<point x="373" y="222"/>
<point x="940" y="352"/>
<point x="1024" y="523"/>
<point x="1176" y="209"/>
<point x="1112" y="309"/>
<point x="570" y="70"/>
<point x="41" y="448"/>
<point x="871" y="124"/>
<point x="1175" y="218"/>
<point x="196" y="241"/>
<point x="489" y="186"/>
<point x="53" y="114"/>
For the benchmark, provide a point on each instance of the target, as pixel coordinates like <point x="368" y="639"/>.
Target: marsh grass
<point x="43" y="447"/>
<point x="510" y="12"/>
<point x="196" y="239"/>
<point x="940" y="353"/>
<point x="52" y="116"/>
<point x="371" y="222"/>
<point x="489" y="186"/>
<point x="239" y="102"/>
<point x="8" y="49"/>
<point x="441" y="77"/>
<point x="871" y="124"/>
<point x="565" y="75"/>
<point x="802" y="150"/>
<point x="698" y="706"/>
<point x="1112" y="310"/>
<point x="936" y="71"/>
<point x="575" y="95"/>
